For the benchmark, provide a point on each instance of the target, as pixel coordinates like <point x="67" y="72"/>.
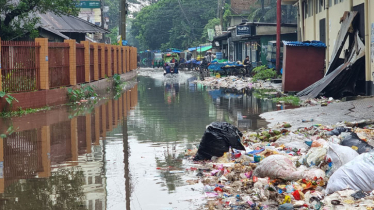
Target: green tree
<point x="262" y="12"/>
<point x="173" y="23"/>
<point x="210" y="25"/>
<point x="20" y="17"/>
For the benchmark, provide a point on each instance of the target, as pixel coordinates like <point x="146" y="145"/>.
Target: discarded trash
<point x="356" y="174"/>
<point x="217" y="139"/>
<point x="356" y="143"/>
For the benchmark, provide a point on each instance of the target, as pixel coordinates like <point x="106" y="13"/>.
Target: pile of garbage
<point x="320" y="167"/>
<point x="238" y="83"/>
<point x="323" y="101"/>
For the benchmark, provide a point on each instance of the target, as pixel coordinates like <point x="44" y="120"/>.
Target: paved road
<point x="328" y="115"/>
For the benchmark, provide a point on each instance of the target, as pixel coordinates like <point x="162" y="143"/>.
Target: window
<point x="330" y="3"/>
<point x="321" y="4"/>
<point x="310" y="7"/>
<point x="317" y="6"/>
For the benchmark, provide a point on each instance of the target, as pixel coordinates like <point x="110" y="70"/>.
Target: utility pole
<point x="102" y="19"/>
<point x="221" y="13"/>
<point x="278" y="67"/>
<point x="122" y="24"/>
<point x="218" y="8"/>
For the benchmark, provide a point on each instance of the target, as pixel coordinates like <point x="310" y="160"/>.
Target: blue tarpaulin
<point x="217" y="66"/>
<point x="305" y="44"/>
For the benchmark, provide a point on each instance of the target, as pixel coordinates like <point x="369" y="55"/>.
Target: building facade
<point x="321" y="20"/>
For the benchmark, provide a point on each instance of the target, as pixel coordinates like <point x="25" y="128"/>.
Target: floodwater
<point x="121" y="153"/>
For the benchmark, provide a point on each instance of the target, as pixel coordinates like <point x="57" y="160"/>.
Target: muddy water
<point x="122" y="153"/>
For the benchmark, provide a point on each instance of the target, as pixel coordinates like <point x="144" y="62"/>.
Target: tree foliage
<point x="19" y="17"/>
<point x="173" y="23"/>
<point x="267" y="12"/>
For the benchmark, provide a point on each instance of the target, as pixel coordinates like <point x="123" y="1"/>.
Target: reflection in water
<point x="56" y="161"/>
<point x="122" y="153"/>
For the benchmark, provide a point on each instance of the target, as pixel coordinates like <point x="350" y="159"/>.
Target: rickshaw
<point x="157" y="60"/>
<point x="168" y="57"/>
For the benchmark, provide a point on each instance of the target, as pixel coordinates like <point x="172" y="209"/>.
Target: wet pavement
<point x="122" y="153"/>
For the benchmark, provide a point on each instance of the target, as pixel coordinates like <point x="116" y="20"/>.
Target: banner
<point x="210" y="34"/>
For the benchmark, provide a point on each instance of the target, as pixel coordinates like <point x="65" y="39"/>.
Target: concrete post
<point x="86" y="61"/>
<point x="109" y="60"/>
<point x="46" y="150"/>
<point x="43" y="62"/>
<point x="119" y="48"/>
<point x="72" y="60"/>
<point x="88" y="133"/>
<point x="2" y="180"/>
<point x="74" y="140"/>
<point x="97" y="125"/>
<point x="1" y="81"/>
<point x="96" y="61"/>
<point x="110" y="115"/>
<point x="115" y="113"/>
<point x="120" y="107"/>
<point x="103" y="120"/>
<point x="115" y="62"/>
<point x="102" y="45"/>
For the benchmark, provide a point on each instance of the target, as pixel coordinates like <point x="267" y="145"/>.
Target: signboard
<point x="89" y="4"/>
<point x="243" y="30"/>
<point x="210" y="34"/>
<point x="218" y="30"/>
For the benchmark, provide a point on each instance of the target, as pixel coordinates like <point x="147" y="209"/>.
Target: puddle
<point x="124" y="153"/>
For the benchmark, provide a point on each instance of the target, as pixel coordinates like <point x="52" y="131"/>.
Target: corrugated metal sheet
<point x="66" y="23"/>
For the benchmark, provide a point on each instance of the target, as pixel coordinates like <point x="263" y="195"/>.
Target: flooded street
<point x="122" y="153"/>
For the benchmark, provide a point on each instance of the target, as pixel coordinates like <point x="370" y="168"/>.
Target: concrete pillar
<point x="124" y="106"/>
<point x="74" y="141"/>
<point x="109" y="60"/>
<point x="115" y="51"/>
<point x="128" y="59"/>
<point x="86" y="60"/>
<point x="119" y="48"/>
<point x="43" y="63"/>
<point x="103" y="120"/>
<point x="1" y="81"/>
<point x="2" y="181"/>
<point x="97" y="125"/>
<point x="88" y="133"/>
<point x="102" y="45"/>
<point x="72" y="60"/>
<point x="46" y="151"/>
<point x="110" y="114"/>
<point x="120" y="107"/>
<point x="115" y="103"/>
<point x="96" y="61"/>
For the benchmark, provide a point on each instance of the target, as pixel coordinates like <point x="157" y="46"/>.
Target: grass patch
<point x="21" y="112"/>
<point x="263" y="73"/>
<point x="288" y="100"/>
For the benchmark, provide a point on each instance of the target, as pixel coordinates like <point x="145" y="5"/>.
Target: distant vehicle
<point x="157" y="60"/>
<point x="169" y="56"/>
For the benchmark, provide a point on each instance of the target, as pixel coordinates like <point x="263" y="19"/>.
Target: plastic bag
<point x="315" y="156"/>
<point x="277" y="166"/>
<point x="354" y="142"/>
<point x="337" y="131"/>
<point x="293" y="141"/>
<point x="217" y="139"/>
<point x="357" y="174"/>
<point x="339" y="155"/>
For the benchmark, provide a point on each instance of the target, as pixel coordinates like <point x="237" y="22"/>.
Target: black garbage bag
<point x="217" y="139"/>
<point x="353" y="140"/>
<point x="338" y="130"/>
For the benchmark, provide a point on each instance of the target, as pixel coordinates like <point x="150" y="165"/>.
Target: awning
<point x="222" y="37"/>
<point x="202" y="48"/>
